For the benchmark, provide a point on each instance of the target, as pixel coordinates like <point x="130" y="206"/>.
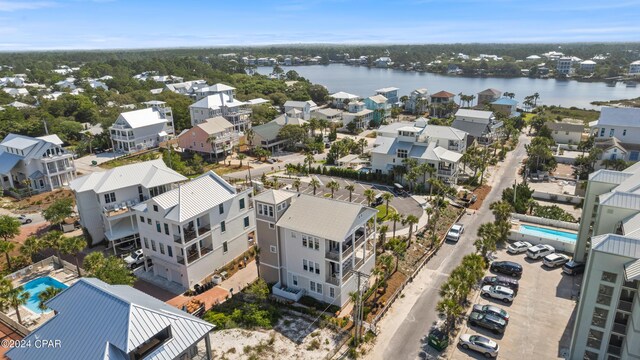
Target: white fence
<point x="563" y="198"/>
<point x="546" y="222"/>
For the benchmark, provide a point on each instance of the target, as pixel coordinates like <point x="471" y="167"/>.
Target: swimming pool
<point x="548" y="233"/>
<point x="35" y="287"/>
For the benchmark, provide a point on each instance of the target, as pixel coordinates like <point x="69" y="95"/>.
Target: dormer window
<point x="152" y="344"/>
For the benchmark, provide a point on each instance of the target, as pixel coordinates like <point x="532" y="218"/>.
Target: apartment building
<point x="95" y="320"/>
<point x="142" y="129"/>
<point x="439" y="146"/>
<point x="310" y="245"/>
<point x="195" y="229"/>
<point x="607" y="323"/>
<point x="105" y="200"/>
<point x="222" y="104"/>
<point x="563" y="66"/>
<point x="481" y="126"/>
<point x="622" y="127"/>
<point x="35" y="164"/>
<point x="215" y="137"/>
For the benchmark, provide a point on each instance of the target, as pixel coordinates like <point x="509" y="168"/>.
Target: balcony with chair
<point x="119" y="208"/>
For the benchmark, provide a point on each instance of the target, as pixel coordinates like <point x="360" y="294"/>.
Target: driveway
<point x="403" y="329"/>
<point x="84" y="166"/>
<point x="541" y="317"/>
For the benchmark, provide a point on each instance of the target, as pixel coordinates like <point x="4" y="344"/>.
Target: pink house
<point x="215" y="137"/>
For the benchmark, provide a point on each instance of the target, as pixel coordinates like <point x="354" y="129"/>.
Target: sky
<point x="118" y="24"/>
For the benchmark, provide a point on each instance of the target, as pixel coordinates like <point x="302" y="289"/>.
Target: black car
<point x="488" y="321"/>
<point x="573" y="268"/>
<point x="507" y="267"/>
<point x="511" y="283"/>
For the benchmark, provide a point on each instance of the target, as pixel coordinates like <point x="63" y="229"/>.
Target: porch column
<point x="207" y="343"/>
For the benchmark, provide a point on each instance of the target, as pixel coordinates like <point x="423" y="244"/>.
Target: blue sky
<point x="108" y="24"/>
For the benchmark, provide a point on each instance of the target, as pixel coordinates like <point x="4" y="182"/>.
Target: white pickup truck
<point x="455" y="232"/>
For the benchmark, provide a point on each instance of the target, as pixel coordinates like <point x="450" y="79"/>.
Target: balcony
<point x="192" y="256"/>
<point x="447" y="172"/>
<point x="180" y="259"/>
<point x="177" y="238"/>
<point x="122" y="137"/>
<point x="189" y="235"/>
<point x="333" y="279"/>
<point x="203" y="229"/>
<point x="119" y="208"/>
<point x="205" y="250"/>
<point x="292" y="294"/>
<point x="614" y="350"/>
<point x="625" y="305"/>
<point x="619" y="328"/>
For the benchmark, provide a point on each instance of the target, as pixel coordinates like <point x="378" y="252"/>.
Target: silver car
<point x="518" y="247"/>
<point x="481" y="344"/>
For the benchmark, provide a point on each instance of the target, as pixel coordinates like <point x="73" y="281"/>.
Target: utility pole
<point x="358" y="309"/>
<point x="515" y="188"/>
<point x="484" y="164"/>
<point x="46" y="130"/>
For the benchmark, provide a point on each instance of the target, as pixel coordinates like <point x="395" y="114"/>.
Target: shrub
<point x="314" y="345"/>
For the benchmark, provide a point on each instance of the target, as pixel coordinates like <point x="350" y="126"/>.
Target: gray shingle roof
<point x="95" y="320"/>
<point x="619" y="116"/>
<point x="561" y="126"/>
<point x="325" y="218"/>
<point x="475" y="129"/>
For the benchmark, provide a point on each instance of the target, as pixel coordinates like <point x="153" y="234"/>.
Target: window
<point x="223" y="227"/>
<point x="273" y="249"/>
<point x="604" y="295"/>
<point x="304" y="240"/>
<point x="265" y="210"/>
<point x="158" y="226"/>
<point x="294" y="280"/>
<point x="155" y="208"/>
<point x="599" y="318"/>
<point x="153" y="245"/>
<point x="332" y="292"/>
<point x="166" y="229"/>
<point x="109" y="198"/>
<point x="146" y="243"/>
<point x="311" y="267"/>
<point x="317" y="268"/>
<point x="624" y="132"/>
<point x="602" y="131"/>
<point x="609" y="277"/>
<point x="402" y="153"/>
<point x="272" y="226"/>
<point x="590" y="355"/>
<point x="611" y="132"/>
<point x="241" y="204"/>
<point x="316" y="243"/>
<point x="304" y="265"/>
<point x="246" y="222"/>
<point x="149" y="221"/>
<point x="142" y="219"/>
<point x="270" y="211"/>
<point x="221" y="208"/>
<point x="225" y="247"/>
<point x="319" y="288"/>
<point x="312" y="286"/>
<point x="161" y="248"/>
<point x="594" y="339"/>
<point x="170" y="251"/>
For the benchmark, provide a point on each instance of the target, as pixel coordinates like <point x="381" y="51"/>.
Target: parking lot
<point x="540" y="318"/>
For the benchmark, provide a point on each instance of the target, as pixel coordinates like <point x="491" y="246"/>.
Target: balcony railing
<point x="614" y="350"/>
<point x="203" y="229"/>
<point x="333" y="280"/>
<point x="205" y="250"/>
<point x="119" y="208"/>
<point x="625" y="305"/>
<point x="619" y="328"/>
<point x="177" y="238"/>
<point x="448" y="172"/>
<point x="180" y="259"/>
<point x="193" y="256"/>
<point x="189" y="235"/>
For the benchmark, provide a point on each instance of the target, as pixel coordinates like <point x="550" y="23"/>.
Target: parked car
<point x="498" y="292"/>
<point x="378" y="200"/>
<point x="487" y="321"/>
<point x="127" y="247"/>
<point x="540" y="251"/>
<point x="455" y="232"/>
<point x="554" y="260"/>
<point x="518" y="247"/>
<point x="491" y="309"/>
<point x="479" y="343"/>
<point x="573" y="268"/>
<point x="511" y="283"/>
<point x="507" y="267"/>
<point x="135" y="259"/>
<point x="24" y="219"/>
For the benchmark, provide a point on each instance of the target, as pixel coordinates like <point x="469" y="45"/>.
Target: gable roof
<point x="141" y="118"/>
<point x="344" y="95"/>
<point x="269" y="130"/>
<point x="215" y="125"/>
<point x="148" y="174"/>
<point x="562" y="126"/>
<point x="443" y="94"/>
<point x="617" y="245"/>
<point x="195" y="197"/>
<point x="475" y="129"/>
<point x="274" y="196"/>
<point x="490" y="91"/>
<point x="378" y="99"/>
<point x="387" y="89"/>
<point x="619" y="116"/>
<point x="325" y="218"/>
<point x="216" y="101"/>
<point x="95" y="320"/>
<point x="444" y="132"/>
<point x="35" y="146"/>
<point x="299" y="104"/>
<point x="475" y="114"/>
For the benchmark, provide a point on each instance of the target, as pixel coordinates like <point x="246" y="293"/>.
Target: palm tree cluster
<point x="466" y="99"/>
<point x="456" y="289"/>
<point x="56" y="241"/>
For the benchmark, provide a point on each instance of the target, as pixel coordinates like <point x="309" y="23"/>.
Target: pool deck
<point x="515" y="225"/>
<point x="29" y="318"/>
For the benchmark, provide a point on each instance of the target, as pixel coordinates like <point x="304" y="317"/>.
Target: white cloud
<point x="15" y="5"/>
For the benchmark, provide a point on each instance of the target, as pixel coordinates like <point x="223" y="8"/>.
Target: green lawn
<point x="382" y="211"/>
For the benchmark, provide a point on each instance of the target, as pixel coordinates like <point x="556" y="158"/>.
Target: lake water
<point x="364" y="81"/>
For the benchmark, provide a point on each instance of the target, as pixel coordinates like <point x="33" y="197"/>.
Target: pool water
<point x="548" y="233"/>
<point x="35" y="287"/>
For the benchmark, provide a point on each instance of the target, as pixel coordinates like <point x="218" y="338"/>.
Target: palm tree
<point x="395" y="217"/>
<point x="47" y="295"/>
<point x="249" y="134"/>
<point x="296" y="184"/>
<point x="6" y="247"/>
<point x="314" y="183"/>
<point x="451" y="310"/>
<point x="536" y="96"/>
<point x="308" y="159"/>
<point x="89" y="136"/>
<point x="276" y="184"/>
<point x="363" y="143"/>
<point x="313" y="125"/>
<point x="370" y="195"/>
<point x="410" y="220"/>
<point x="398" y="249"/>
<point x="387" y="196"/>
<point x="15" y="297"/>
<point x="488" y="235"/>
<point x="429" y="212"/>
<point x="351" y="188"/>
<point x="333" y="186"/>
<point x="54" y="240"/>
<point x="32" y="245"/>
<point x="385" y="262"/>
<point x="501" y="210"/>
<point x="73" y="246"/>
<point x="241" y="157"/>
<point x="258" y="260"/>
<point x="211" y="140"/>
<point x="382" y="235"/>
<point x="324" y="124"/>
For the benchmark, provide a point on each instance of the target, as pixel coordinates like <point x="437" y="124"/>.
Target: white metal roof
<point x="215" y="125"/>
<point x="619" y="199"/>
<point x="444" y="132"/>
<point x="274" y="196"/>
<point x="216" y="101"/>
<point x="617" y="245"/>
<point x="54" y="139"/>
<point x="344" y="95"/>
<point x="19" y="143"/>
<point x="95" y="320"/>
<point x="378" y="99"/>
<point x="387" y="89"/>
<point x="148" y="174"/>
<point x="609" y="176"/>
<point x="195" y="197"/>
<point x="141" y="118"/>
<point x="618" y="116"/>
<point x="476" y="114"/>
<point x="632" y="270"/>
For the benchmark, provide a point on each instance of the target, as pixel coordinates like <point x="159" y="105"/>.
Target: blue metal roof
<point x="505" y="101"/>
<point x="8" y="161"/>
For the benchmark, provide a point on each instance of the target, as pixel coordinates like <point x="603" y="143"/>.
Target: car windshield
<point x="453" y="231"/>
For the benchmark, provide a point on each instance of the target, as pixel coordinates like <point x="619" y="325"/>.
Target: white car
<point x="455" y="232"/>
<point x="136" y="258"/>
<point x="24" y="219"/>
<point x="518" y="247"/>
<point x="555" y="259"/>
<point x="497" y="292"/>
<point x="481" y="344"/>
<point x="539" y="251"/>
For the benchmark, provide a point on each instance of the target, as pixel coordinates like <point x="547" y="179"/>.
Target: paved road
<point x="405" y="342"/>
